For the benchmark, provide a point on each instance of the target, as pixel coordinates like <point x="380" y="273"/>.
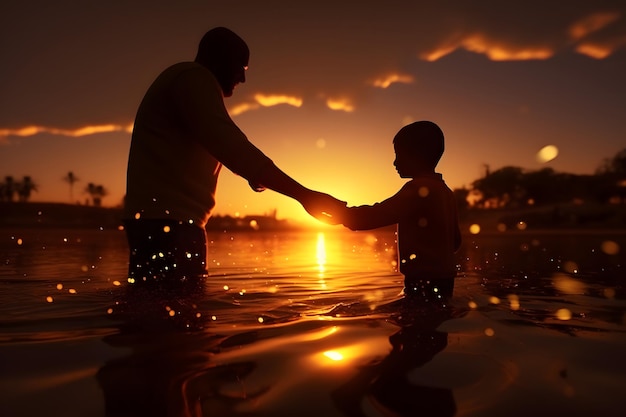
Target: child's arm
<point x="369" y="217"/>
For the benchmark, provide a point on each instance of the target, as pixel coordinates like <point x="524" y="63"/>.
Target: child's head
<point x="419" y="147"/>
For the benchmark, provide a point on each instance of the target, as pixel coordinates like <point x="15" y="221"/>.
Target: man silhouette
<point x="181" y="138"/>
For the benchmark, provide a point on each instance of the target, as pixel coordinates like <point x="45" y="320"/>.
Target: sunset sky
<point x="329" y="84"/>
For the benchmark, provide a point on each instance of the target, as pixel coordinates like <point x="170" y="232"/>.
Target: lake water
<point x="313" y="323"/>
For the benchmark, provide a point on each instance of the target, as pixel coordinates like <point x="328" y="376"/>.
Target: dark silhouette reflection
<point x="169" y="370"/>
<point x="385" y="384"/>
<point x="161" y="329"/>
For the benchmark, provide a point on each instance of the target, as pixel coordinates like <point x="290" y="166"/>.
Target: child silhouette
<point x="424" y="210"/>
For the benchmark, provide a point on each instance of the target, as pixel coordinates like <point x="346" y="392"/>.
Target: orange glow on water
<point x="333" y="355"/>
<point x="563" y="314"/>
<point x="610" y="247"/>
<point x="514" y="303"/>
<point x="568" y="285"/>
<point x="321" y="253"/>
<point x="494" y="300"/>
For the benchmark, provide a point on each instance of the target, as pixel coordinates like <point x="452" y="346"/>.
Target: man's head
<point x="419" y="147"/>
<point x="226" y="55"/>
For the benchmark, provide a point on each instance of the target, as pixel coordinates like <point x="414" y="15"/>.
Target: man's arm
<point x="202" y="111"/>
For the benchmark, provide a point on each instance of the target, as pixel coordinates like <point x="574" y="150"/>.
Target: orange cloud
<point x="242" y="108"/>
<point x="594" y="50"/>
<point x="595" y="35"/>
<point x="389" y="79"/>
<point x="583" y="32"/>
<point x="265" y="100"/>
<point x="501" y="52"/>
<point x="495" y="50"/>
<point x="592" y="23"/>
<point x="439" y="52"/>
<point x="81" y="131"/>
<point x="274" y="99"/>
<point x="341" y="104"/>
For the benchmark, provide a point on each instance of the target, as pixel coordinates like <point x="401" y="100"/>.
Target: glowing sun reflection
<point x="320" y="254"/>
<point x="333" y="355"/>
<point x="340" y="356"/>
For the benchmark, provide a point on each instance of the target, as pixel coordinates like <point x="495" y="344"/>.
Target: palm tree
<point x="101" y="192"/>
<point x="9" y="188"/>
<point x="91" y="190"/>
<point x="25" y="188"/>
<point x="97" y="192"/>
<point x="70" y="178"/>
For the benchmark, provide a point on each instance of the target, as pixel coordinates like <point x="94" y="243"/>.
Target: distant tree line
<point x="12" y="190"/>
<point x="507" y="187"/>
<point x="514" y="187"/>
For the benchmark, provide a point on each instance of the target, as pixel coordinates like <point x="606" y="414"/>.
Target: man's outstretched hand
<point x="324" y="207"/>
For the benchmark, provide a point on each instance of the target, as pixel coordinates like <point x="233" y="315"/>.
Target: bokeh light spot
<point x="610" y="247"/>
<point x="563" y="314"/>
<point x="570" y="266"/>
<point x="547" y="153"/>
<point x="474" y="229"/>
<point x="567" y="284"/>
<point x="514" y="302"/>
<point x="609" y="293"/>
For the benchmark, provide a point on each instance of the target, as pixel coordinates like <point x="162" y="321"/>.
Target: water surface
<point x="313" y="323"/>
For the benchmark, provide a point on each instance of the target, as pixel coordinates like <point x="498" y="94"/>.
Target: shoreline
<point x="30" y="215"/>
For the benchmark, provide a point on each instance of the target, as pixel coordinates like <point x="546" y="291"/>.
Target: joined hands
<point x="324" y="207"/>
